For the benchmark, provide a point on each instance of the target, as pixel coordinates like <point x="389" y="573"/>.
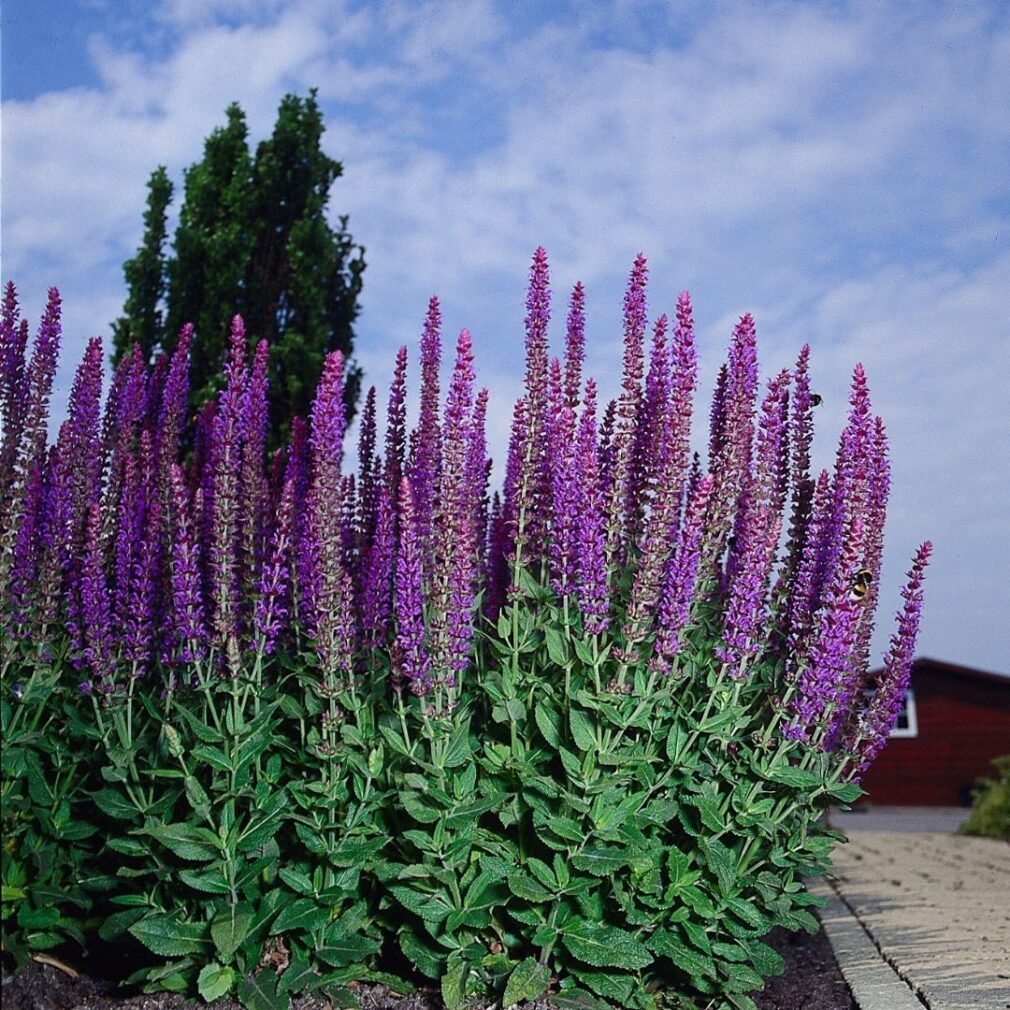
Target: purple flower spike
<point x="188" y="632"/>
<point x="96" y="634"/>
<point x="590" y="530"/>
<point x="411" y="665"/>
<point x="534" y="481"/>
<point x="562" y="460"/>
<point x="272" y="590"/>
<point x="377" y="577"/>
<point x="682" y="571"/>
<point x="224" y="470"/>
<point x="732" y="435"/>
<point x="252" y="477"/>
<point x="454" y="573"/>
<point x="81" y="445"/>
<point x="883" y="710"/>
<point x="40" y="378"/>
<point x="426" y="441"/>
<point x="172" y="411"/>
<point x="478" y="472"/>
<point x="13" y="399"/>
<point x="396" y="429"/>
<point x="333" y="595"/>
<point x="575" y="346"/>
<point x="22" y="583"/>
<point x="620" y="487"/>
<point x="369" y="471"/>
<point x="138" y="616"/>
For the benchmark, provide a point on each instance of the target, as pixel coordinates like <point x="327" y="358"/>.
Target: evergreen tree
<point x="252" y="238"/>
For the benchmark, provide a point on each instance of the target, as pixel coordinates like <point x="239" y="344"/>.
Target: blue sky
<point x="838" y="169"/>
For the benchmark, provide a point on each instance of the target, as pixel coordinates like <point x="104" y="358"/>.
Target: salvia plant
<point x="278" y="724"/>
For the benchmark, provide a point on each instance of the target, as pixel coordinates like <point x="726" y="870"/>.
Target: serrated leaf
<point x="527" y="981"/>
<point x="600" y="861"/>
<point x="578" y="999"/>
<point x="765" y="959"/>
<point x="298" y="977"/>
<point x="709" y="811"/>
<point x="167" y="936"/>
<point x="688" y="960"/>
<point x="119" y="922"/>
<point x="299" y="882"/>
<point x="303" y="913"/>
<point x="548" y="723"/>
<point x="845" y="792"/>
<point x="215" y="981"/>
<point x="676" y="741"/>
<point x="422" y="957"/>
<point x="582" y="730"/>
<point x="453" y="983"/>
<point x="260" y="992"/>
<point x="557" y="648"/>
<point x="208" y="881"/>
<point x="229" y="930"/>
<point x="185" y="841"/>
<point x="341" y="951"/>
<point x="459" y="752"/>
<point x="522" y="885"/>
<point x="796" y="778"/>
<point x="111" y="802"/>
<point x="613" y="985"/>
<point x="604" y="946"/>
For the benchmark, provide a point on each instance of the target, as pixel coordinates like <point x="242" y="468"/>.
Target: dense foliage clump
<point x="285" y="726"/>
<point x="990" y="807"/>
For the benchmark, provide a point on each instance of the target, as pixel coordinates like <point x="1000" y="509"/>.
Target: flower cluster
<point x="159" y="548"/>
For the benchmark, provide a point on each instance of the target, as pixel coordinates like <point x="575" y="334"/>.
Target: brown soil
<point x="811" y="981"/>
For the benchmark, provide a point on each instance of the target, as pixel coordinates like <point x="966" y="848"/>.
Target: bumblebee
<point x="861" y="583"/>
<point x="816" y="400"/>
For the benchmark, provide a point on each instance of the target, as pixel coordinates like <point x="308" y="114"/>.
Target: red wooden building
<point x="955" y="721"/>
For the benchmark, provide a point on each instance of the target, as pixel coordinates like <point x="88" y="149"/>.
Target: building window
<point x="907" y="725"/>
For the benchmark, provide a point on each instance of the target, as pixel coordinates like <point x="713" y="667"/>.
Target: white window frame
<point x="911" y="717"/>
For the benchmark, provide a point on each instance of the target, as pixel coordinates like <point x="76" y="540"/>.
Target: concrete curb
<point x="874" y="983"/>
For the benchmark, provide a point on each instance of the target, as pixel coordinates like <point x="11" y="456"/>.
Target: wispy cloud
<point x="839" y="169"/>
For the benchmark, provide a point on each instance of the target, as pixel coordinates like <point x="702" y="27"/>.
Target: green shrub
<point x="990" y="806"/>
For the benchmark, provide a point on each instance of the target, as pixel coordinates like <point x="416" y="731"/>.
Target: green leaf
<point x="548" y="723"/>
<point x="422" y="957"/>
<point x="454" y="982"/>
<point x="796" y="778"/>
<point x="742" y="978"/>
<point x="229" y="930"/>
<point x="615" y="986"/>
<point x="166" y="935"/>
<point x="557" y="647"/>
<point x="600" y="861"/>
<point x="340" y="951"/>
<point x="208" y="881"/>
<point x="213" y="756"/>
<point x="722" y="860"/>
<point x="260" y="992"/>
<point x="303" y="913"/>
<point x="298" y="977"/>
<point x="458" y="752"/>
<point x="604" y="946"/>
<point x="765" y="959"/>
<point x="127" y="846"/>
<point x="708" y="808"/>
<point x="524" y="886"/>
<point x="676" y="741"/>
<point x="688" y="960"/>
<point x="185" y="841"/>
<point x="113" y="803"/>
<point x="119" y="922"/>
<point x="215" y="981"/>
<point x="577" y="999"/>
<point x="298" y="882"/>
<point x="527" y="981"/>
<point x="845" y="792"/>
<point x="582" y="729"/>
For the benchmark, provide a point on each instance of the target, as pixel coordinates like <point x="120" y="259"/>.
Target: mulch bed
<point x="811" y="981"/>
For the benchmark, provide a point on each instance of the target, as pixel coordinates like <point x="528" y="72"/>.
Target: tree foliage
<point x="252" y="238"/>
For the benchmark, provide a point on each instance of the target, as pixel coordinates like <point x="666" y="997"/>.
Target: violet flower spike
<point x="411" y="664"/>
<point x="377" y="577"/>
<point x="594" y="602"/>
<point x="369" y="471"/>
<point x="575" y="346"/>
<point x="174" y="403"/>
<point x="674" y="609"/>
<point x="186" y="621"/>
<point x="883" y="710"/>
<point x="396" y="430"/>
<point x="426" y="442"/>
<point x="95" y="610"/>
<point x="270" y="610"/>
<point x="454" y="571"/>
<point x="41" y="371"/>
